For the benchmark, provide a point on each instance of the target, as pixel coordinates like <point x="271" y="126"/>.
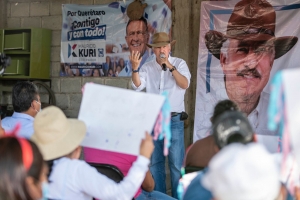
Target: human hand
<point x="163" y="59"/>
<point x="135" y="59"/>
<point x="147" y="146"/>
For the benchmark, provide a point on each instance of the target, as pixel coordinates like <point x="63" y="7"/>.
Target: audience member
<point x="230" y="127"/>
<point x="96" y="73"/>
<point x="243" y="172"/>
<point x="203" y="150"/>
<point x="26" y="103"/>
<point x="124" y="163"/>
<point x="2" y="131"/>
<point x="23" y="171"/>
<point x="59" y="139"/>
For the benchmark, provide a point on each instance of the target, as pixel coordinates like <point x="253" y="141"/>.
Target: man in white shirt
<point x="170" y="74"/>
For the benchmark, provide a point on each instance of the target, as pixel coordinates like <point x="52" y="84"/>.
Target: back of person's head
<point x="23" y="93"/>
<point x="232" y="127"/>
<point x="245" y="172"/>
<point x="55" y="135"/>
<point x="223" y="106"/>
<point x="21" y="169"/>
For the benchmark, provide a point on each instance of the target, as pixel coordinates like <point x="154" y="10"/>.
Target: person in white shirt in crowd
<point x="59" y="140"/>
<point x="171" y="74"/>
<point x="26" y="103"/>
<point x="243" y="172"/>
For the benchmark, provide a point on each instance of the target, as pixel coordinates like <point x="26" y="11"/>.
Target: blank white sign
<point x="117" y="119"/>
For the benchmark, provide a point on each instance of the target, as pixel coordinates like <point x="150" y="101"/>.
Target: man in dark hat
<point x="246" y="53"/>
<point x="171" y="74"/>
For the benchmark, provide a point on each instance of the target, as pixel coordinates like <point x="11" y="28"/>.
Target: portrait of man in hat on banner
<point x="246" y="52"/>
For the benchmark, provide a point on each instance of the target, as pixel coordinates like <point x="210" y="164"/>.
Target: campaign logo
<point x="101" y="52"/>
<point x="71" y="50"/>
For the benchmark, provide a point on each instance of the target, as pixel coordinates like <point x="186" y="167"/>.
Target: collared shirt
<point x="26" y="130"/>
<point x="156" y="81"/>
<point x="75" y="179"/>
<point x="258" y="118"/>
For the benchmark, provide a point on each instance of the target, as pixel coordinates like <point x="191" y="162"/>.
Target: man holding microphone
<point x="171" y="74"/>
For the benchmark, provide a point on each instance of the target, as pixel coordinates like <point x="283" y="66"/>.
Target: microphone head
<point x="162" y="55"/>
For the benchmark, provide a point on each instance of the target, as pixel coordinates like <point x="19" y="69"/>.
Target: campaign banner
<point x="241" y="46"/>
<point x="95" y="39"/>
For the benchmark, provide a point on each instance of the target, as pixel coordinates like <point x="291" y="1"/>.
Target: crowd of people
<point x="40" y="152"/>
<point x="111" y="68"/>
<point x="229" y="164"/>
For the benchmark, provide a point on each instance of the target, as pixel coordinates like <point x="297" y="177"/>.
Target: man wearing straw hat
<point x="171" y="74"/>
<point x="246" y="53"/>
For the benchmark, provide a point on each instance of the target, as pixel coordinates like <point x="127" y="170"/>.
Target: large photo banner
<point x="96" y="39"/>
<point x="242" y="44"/>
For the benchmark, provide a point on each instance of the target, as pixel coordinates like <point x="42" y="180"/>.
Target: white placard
<point x="117" y="118"/>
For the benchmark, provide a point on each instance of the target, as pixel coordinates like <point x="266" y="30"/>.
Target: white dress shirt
<point x="75" y="179"/>
<point x="156" y="81"/>
<point x="258" y="118"/>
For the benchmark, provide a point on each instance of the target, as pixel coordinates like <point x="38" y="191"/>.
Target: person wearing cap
<point x="175" y="79"/>
<point x="59" y="140"/>
<point x="229" y="127"/>
<point x="136" y="37"/>
<point x="245" y="172"/>
<point x="247" y="52"/>
<point x="200" y="153"/>
<point x="26" y="103"/>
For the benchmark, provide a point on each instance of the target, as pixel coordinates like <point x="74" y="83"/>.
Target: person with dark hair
<point x="23" y="170"/>
<point x="200" y="153"/>
<point x="59" y="140"/>
<point x="136" y="37"/>
<point x="26" y="103"/>
<point x="229" y="127"/>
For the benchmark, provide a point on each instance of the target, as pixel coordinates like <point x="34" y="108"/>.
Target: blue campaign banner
<point x="95" y="40"/>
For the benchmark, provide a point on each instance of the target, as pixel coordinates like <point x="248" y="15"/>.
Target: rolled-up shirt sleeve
<point x="143" y="78"/>
<point x="183" y="69"/>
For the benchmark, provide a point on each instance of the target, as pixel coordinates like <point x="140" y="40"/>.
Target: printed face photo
<point x="137" y="36"/>
<point x="246" y="66"/>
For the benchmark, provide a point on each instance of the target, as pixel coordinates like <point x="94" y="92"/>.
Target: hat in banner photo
<point x="136" y="9"/>
<point x="55" y="135"/>
<point x="239" y="171"/>
<point x="230" y="124"/>
<point x="161" y="39"/>
<point x="253" y="20"/>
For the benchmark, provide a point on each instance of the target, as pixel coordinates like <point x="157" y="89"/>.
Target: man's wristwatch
<point x="134" y="71"/>
<point x="174" y="68"/>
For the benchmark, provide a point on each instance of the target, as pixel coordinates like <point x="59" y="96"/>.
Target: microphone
<point x="164" y="66"/>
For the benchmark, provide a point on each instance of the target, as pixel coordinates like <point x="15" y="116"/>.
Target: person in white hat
<point x="59" y="140"/>
<point x="243" y="172"/>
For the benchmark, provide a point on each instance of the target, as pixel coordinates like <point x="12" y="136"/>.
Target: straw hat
<point x="55" y="135"/>
<point x="250" y="20"/>
<point x="160" y="39"/>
